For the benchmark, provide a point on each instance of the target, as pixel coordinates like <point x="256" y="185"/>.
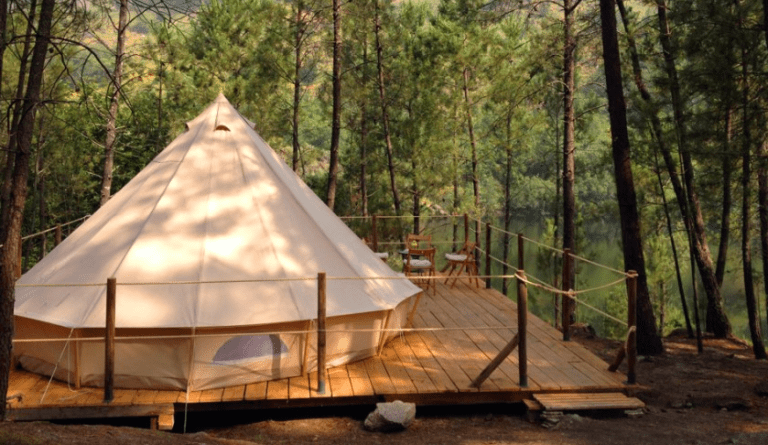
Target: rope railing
<point x="53" y="229"/>
<point x="249" y="333"/>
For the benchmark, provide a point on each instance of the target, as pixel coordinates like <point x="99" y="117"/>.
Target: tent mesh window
<point x="248" y="348"/>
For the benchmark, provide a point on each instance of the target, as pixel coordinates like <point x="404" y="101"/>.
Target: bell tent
<point x="214" y="246"/>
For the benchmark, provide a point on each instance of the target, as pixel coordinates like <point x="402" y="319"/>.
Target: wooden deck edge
<point x="91" y="412"/>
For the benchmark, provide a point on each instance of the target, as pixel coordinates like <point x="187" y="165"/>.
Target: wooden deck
<point x="427" y="367"/>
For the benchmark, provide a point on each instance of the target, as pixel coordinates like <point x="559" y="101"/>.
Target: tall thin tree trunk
<point x="675" y="257"/>
<point x="569" y="143"/>
<point x="556" y="265"/>
<point x="109" y="145"/>
<point x="746" y="249"/>
<point x="725" y="219"/>
<point x="22" y="150"/>
<point x="299" y="24"/>
<point x="648" y="340"/>
<point x="384" y="112"/>
<point x="507" y="200"/>
<point x="762" y="209"/>
<point x="364" y="136"/>
<point x="5" y="192"/>
<point x="716" y="321"/>
<point x="657" y="134"/>
<point x="472" y="142"/>
<point x="333" y="169"/>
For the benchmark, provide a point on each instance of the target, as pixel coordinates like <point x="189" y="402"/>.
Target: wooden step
<point x="585" y="401"/>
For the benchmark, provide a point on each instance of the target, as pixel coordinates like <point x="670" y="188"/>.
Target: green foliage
<point x="512" y="57"/>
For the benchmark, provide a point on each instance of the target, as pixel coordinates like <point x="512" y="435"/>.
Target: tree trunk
<point x="472" y="142"/>
<point x="333" y="168"/>
<point x="716" y="321"/>
<point x="12" y="239"/>
<point x="569" y="144"/>
<point x="656" y="131"/>
<point x="109" y="145"/>
<point x="648" y="341"/>
<point x="725" y="219"/>
<point x="5" y="192"/>
<point x="297" y="84"/>
<point x="384" y="113"/>
<point x="507" y="201"/>
<point x="675" y="257"/>
<point x="762" y="208"/>
<point x="364" y="136"/>
<point x="746" y="249"/>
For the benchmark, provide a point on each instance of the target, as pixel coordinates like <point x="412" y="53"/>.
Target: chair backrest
<point x="468" y="249"/>
<point x="418" y="241"/>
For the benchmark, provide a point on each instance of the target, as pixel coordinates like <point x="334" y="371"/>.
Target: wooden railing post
<point x="57" y="235"/>
<point x="522" y="327"/>
<point x="321" y="332"/>
<point x="109" y="342"/>
<point x="488" y="255"/>
<point x="566" y="301"/>
<point x="374" y="234"/>
<point x="466" y="227"/>
<point x="520" y="252"/>
<point x="632" y="322"/>
<point x="18" y="263"/>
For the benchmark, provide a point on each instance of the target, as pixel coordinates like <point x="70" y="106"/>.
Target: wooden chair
<point x="464" y="260"/>
<point x="421" y="261"/>
<point x="413" y="241"/>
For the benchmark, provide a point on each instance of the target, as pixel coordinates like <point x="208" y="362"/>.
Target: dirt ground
<point x="708" y="398"/>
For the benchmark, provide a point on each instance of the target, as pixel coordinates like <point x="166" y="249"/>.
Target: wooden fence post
<point x="18" y="263"/>
<point x="632" y="322"/>
<point x="466" y="227"/>
<point x="109" y="342"/>
<point x="488" y="255"/>
<point x="57" y="235"/>
<point x="566" y="300"/>
<point x="321" y="332"/>
<point x="522" y="327"/>
<point x="374" y="234"/>
<point x="520" y="252"/>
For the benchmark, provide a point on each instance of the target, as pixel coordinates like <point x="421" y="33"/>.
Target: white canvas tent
<point x="217" y="206"/>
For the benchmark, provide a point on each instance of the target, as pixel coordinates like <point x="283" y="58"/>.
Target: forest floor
<point x="708" y="398"/>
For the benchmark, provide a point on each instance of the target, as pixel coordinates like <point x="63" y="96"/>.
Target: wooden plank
<point x="436" y="373"/>
<point x="298" y="387"/>
<point x="508" y="377"/>
<point x="167" y="396"/>
<point x="277" y="389"/>
<point x="587" y="401"/>
<point x="358" y="378"/>
<point x="233" y="393"/>
<point x="144" y="397"/>
<point x="256" y="391"/>
<point x="189" y="397"/>
<point x="445" y="356"/>
<point x="397" y="370"/>
<point x="560" y="374"/>
<point x="412" y="364"/>
<point x="89" y="412"/>
<point x="380" y="380"/>
<point x="211" y="395"/>
<point x="339" y="383"/>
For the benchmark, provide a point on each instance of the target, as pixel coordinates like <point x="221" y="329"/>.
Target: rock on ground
<point x="392" y="416"/>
